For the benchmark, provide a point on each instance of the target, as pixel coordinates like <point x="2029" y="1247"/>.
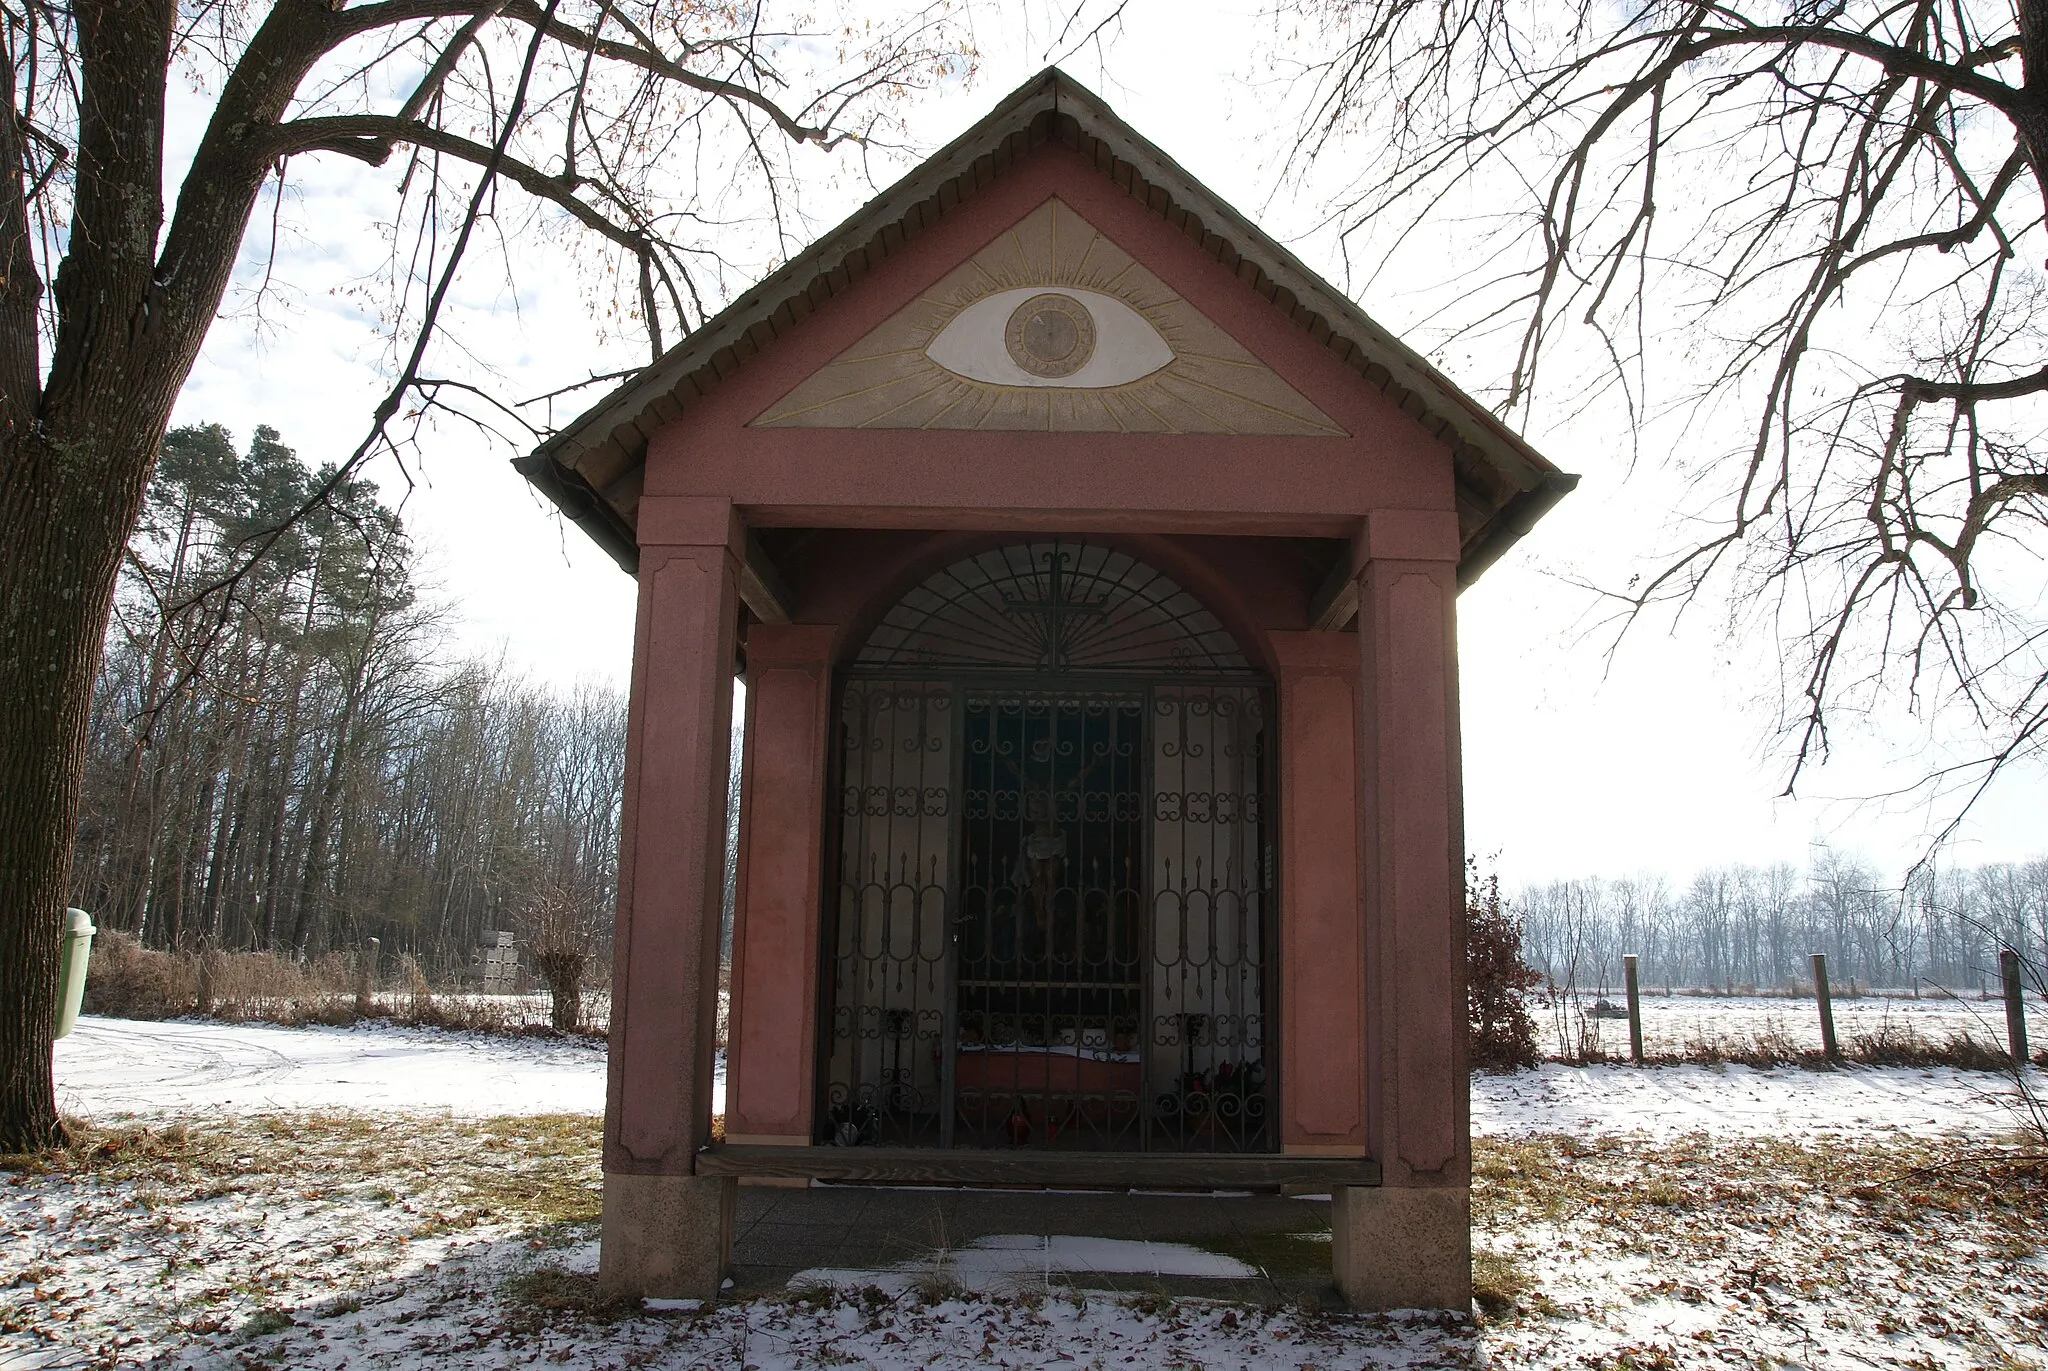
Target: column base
<point x="665" y="1237"/>
<point x="1402" y="1247"/>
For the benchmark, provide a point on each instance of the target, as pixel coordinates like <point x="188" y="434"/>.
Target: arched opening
<point x="1052" y="916"/>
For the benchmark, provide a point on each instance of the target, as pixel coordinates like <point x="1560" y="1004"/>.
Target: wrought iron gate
<point x="1054" y="908"/>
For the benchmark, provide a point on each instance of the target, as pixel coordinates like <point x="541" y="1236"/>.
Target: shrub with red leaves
<point x="1497" y="980"/>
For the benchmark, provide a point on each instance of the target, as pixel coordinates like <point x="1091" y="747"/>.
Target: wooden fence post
<point x="366" y="981"/>
<point x="1635" y="1009"/>
<point x="2015" y="1006"/>
<point x="1827" y="1007"/>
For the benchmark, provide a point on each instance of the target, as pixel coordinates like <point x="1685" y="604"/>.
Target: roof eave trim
<point x="624" y="405"/>
<point x="1408" y="367"/>
<point x="1508" y="527"/>
<point x="583" y="507"/>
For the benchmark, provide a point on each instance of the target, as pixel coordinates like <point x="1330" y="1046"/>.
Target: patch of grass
<point x="1861" y="1201"/>
<point x="1772" y="1047"/>
<point x="1896" y="1045"/>
<point x="814" y="1295"/>
<point x="1650" y="1356"/>
<point x="89" y="1147"/>
<point x="1521" y="1176"/>
<point x="1285" y="1257"/>
<point x="551" y="1289"/>
<point x="266" y="1321"/>
<point x="1498" y="1284"/>
<point x="1996" y="1356"/>
<point x="937" y="1284"/>
<point x="1639" y="1190"/>
<point x="453" y="1173"/>
<point x="540" y="1167"/>
<point x="1662" y="1191"/>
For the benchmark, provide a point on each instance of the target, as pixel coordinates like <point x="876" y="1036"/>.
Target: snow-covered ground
<point x="112" y="1068"/>
<point x="379" y="1197"/>
<point x="127" y="1068"/>
<point x="1667" y="1102"/>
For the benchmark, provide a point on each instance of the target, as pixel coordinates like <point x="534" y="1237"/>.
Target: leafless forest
<point x="1745" y="928"/>
<point x="328" y="773"/>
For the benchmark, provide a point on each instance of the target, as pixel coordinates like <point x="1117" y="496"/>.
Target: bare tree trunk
<point x="56" y="585"/>
<point x="313" y="881"/>
<point x="124" y="314"/>
<point x="75" y="456"/>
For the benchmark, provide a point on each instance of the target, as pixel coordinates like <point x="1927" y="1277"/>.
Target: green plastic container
<point x="74" y="951"/>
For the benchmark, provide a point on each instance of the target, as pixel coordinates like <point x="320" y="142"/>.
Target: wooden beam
<point x="1027" y="1166"/>
<point x="1336" y="601"/>
<point x="761" y="586"/>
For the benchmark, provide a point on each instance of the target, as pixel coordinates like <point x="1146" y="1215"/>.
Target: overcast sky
<point x="1658" y="757"/>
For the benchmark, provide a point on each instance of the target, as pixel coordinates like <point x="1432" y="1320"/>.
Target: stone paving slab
<point x="922" y="1235"/>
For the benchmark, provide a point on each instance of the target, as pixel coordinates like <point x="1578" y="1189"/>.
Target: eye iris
<point x="1051" y="335"/>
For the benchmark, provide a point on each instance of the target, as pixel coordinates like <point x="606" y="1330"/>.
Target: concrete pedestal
<point x="1403" y="1247"/>
<point x="665" y="1237"/>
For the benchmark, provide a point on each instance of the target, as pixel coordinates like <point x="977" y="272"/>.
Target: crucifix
<point x="1054" y="609"/>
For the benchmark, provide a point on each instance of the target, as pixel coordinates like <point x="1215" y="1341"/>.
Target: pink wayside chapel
<point x="1091" y="567"/>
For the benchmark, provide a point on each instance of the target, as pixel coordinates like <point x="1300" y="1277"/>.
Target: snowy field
<point x="378" y="1197"/>
<point x="1674" y="1025"/>
<point x="116" y="1067"/>
<point x="123" y="1068"/>
<point x="1664" y="1103"/>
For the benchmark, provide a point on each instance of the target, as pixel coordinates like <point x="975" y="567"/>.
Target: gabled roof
<point x="592" y="469"/>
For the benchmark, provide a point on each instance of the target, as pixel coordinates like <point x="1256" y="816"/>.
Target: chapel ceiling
<point x="1050" y="327"/>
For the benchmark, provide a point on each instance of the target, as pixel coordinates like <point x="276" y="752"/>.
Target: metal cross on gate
<point x="1055" y="609"/>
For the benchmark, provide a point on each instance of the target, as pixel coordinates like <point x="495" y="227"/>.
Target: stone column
<point x="1408" y="1242"/>
<point x="666" y="1232"/>
<point x="1322" y="921"/>
<point x="771" y="1049"/>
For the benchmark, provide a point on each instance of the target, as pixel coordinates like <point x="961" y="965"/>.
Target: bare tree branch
<point x="1834" y="216"/>
<point x="674" y="124"/>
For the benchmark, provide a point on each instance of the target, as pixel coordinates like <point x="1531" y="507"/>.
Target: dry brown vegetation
<point x="1757" y="1237"/>
<point x="127" y="980"/>
<point x="1889" y="1045"/>
<point x="541" y="1167"/>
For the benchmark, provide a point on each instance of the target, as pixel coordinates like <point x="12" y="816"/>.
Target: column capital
<point x="1314" y="652"/>
<point x="1405" y="535"/>
<point x="689" y="521"/>
<point x="790" y="645"/>
<point x="1414" y="537"/>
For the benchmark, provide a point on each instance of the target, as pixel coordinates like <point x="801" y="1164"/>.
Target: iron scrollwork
<point x="1054" y="902"/>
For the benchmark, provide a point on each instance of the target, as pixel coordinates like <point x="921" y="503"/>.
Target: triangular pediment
<point x="1050" y="327"/>
<point x="596" y="467"/>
